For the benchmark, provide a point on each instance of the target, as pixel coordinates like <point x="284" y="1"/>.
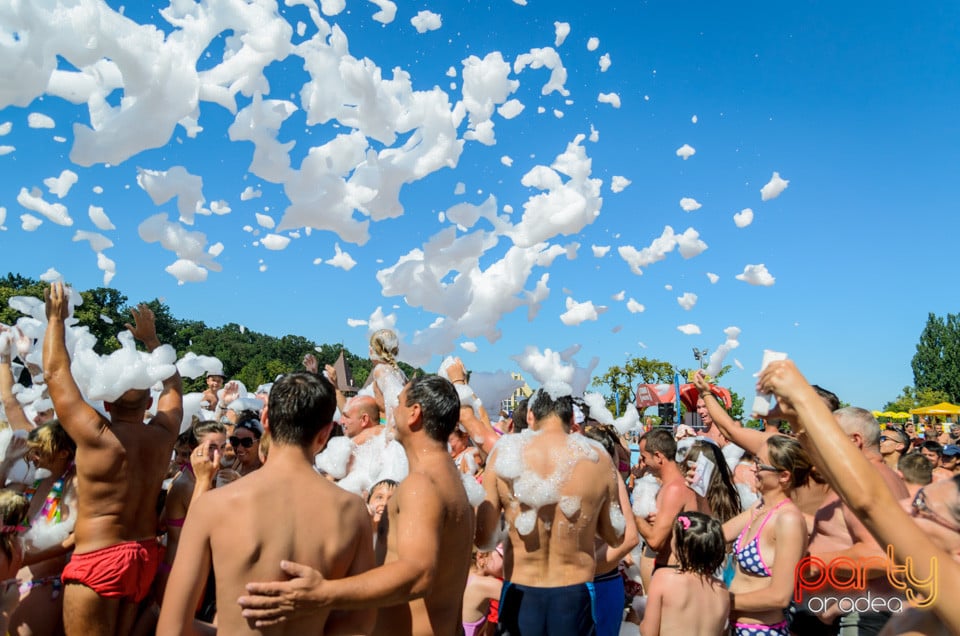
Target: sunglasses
<point x="762" y="467"/>
<point x="237" y="442"/>
<point x="919" y="504"/>
<point x="898" y="440"/>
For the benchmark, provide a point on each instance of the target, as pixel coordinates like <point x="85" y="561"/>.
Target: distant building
<point x="522" y="392"/>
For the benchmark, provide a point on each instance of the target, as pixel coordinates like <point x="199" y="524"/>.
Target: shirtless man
<point x="360" y="419"/>
<point x="658" y="450"/>
<point x="557" y="491"/>
<point x="281" y="511"/>
<point x="120" y="469"/>
<point x="419" y="588"/>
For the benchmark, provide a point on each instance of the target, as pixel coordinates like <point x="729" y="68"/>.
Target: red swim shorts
<point x="125" y="570"/>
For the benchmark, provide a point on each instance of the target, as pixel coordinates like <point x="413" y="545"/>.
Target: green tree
<point x="16" y="285"/>
<point x="936" y="364"/>
<point x="911" y="398"/>
<point x="621" y="381"/>
<point x="104" y="313"/>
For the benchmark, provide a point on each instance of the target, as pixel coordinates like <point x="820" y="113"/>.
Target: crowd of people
<point x="407" y="509"/>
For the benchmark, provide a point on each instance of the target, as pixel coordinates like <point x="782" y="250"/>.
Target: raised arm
<point x="170" y="404"/>
<point x="189" y="574"/>
<point x="748" y="439"/>
<point x="488" y="512"/>
<point x="15" y="417"/>
<point x="610" y="556"/>
<point x="862" y="488"/>
<point x="78" y="418"/>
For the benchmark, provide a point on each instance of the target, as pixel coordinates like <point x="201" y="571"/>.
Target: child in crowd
<point x="483" y="586"/>
<point x="689" y="599"/>
<point x="13" y="513"/>
<point x="377" y="500"/>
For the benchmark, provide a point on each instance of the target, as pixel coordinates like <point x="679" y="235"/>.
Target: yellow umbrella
<point x="877" y="414"/>
<point x="900" y="415"/>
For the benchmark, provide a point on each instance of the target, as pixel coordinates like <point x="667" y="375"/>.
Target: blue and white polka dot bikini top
<point x="748" y="556"/>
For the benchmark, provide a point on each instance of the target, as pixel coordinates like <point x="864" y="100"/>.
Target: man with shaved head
<point x="360" y="419"/>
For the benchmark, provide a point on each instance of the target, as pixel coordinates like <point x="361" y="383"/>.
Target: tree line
<point x="248" y="356"/>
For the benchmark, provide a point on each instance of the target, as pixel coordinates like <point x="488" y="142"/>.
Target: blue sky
<point x="853" y="103"/>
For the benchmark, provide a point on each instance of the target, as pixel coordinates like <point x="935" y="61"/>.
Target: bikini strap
<point x="739" y="543"/>
<point x="769" y="514"/>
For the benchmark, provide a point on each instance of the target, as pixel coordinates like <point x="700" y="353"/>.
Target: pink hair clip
<point x="684" y="521"/>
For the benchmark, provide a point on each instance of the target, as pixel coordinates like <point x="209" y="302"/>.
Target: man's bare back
<point x="553" y="545"/>
<point x="432" y="487"/>
<point x="297" y="516"/>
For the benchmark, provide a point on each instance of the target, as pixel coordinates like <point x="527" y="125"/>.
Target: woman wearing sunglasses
<point x="768" y="539"/>
<point x="246" y="444"/>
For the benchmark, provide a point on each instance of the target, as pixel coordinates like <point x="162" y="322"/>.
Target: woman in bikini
<point x="48" y="541"/>
<point x="769" y="538"/>
<point x="178" y="500"/>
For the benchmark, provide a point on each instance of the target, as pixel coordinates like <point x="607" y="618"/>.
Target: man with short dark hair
<point x="557" y="492"/>
<point x="278" y="513"/>
<point x="419" y="588"/>
<point x="916" y="470"/>
<point x="893" y="444"/>
<point x="658" y="451"/>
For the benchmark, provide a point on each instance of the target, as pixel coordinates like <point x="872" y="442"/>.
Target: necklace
<point x="51" y="506"/>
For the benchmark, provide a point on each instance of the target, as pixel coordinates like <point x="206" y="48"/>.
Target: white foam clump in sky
<point x="493" y="386"/>
<point x="687" y="301"/>
<point x="29" y="223"/>
<point x="689" y="243"/>
<point x="600" y="250"/>
<point x="510" y="108"/>
<point x="193" y="366"/>
<point x="604" y="62"/>
<point x="107" y="266"/>
<point x="3" y="217"/>
<point x="619" y="296"/>
<point x="713" y="277"/>
<point x="266" y="221"/>
<point x="250" y="193"/>
<point x="356" y="322"/>
<point x="689" y="204"/>
<point x="544" y="58"/>
<point x="561" y="31"/>
<point x="469" y="346"/>
<point x="426" y="21"/>
<point x="486" y="84"/>
<point x="193" y="262"/>
<point x="756" y="275"/>
<point x="5" y="128"/>
<point x="593" y="43"/>
<point x="506" y="160"/>
<point x="743" y="218"/>
<point x="100" y="218"/>
<point x="39" y="120"/>
<point x="97" y="189"/>
<point x="564" y="207"/>
<point x="163" y="185"/>
<point x="717" y="357"/>
<point x="341" y="259"/>
<point x="619" y="184"/>
<point x="773" y="188"/>
<point x="609" y="98"/>
<point x="55" y="212"/>
<point x="578" y="313"/>
<point x="107" y="378"/>
<point x="275" y="242"/>
<point x="98" y="242"/>
<point x="61" y="185"/>
<point x="689" y="329"/>
<point x="634" y="307"/>
<point x="6" y="149"/>
<point x="686" y="151"/>
<point x="387" y="12"/>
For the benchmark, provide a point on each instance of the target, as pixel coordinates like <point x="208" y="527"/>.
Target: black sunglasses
<point x="236" y="442"/>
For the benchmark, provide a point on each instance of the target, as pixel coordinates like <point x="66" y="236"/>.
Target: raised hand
<point x="56" y="301"/>
<point x="310" y="363"/>
<point x="144" y="328"/>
